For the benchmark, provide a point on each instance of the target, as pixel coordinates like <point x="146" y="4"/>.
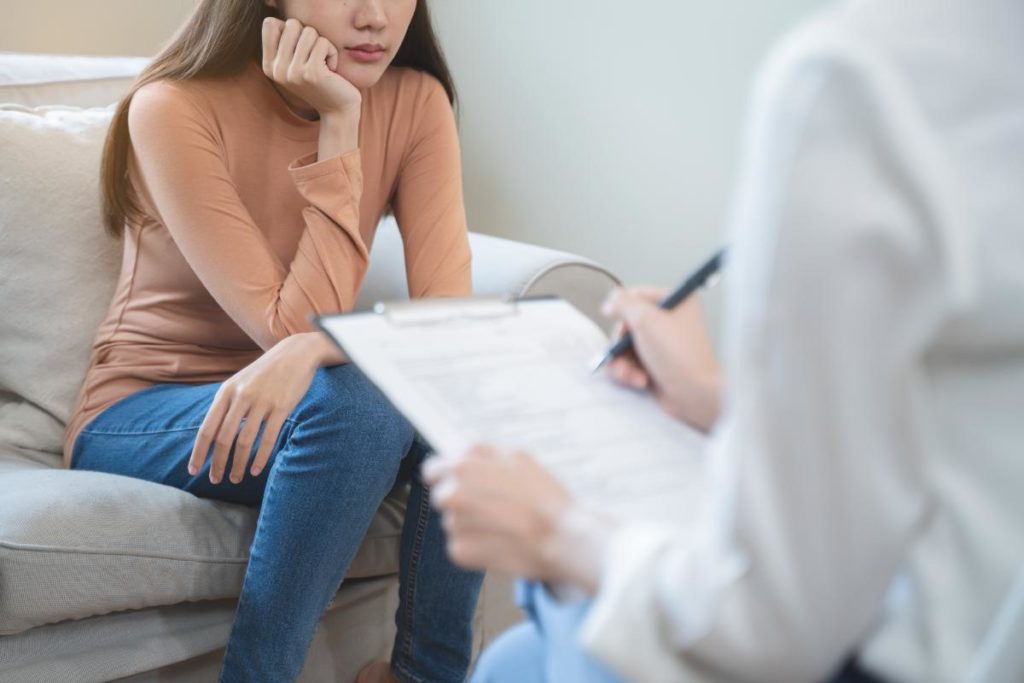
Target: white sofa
<point x="104" y="577"/>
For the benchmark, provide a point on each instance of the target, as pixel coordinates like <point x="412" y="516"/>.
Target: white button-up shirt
<point x="867" y="476"/>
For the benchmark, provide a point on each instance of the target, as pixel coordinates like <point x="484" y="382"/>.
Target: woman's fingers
<point x="286" y="49"/>
<point x="267" y="441"/>
<point x="303" y="48"/>
<point x="225" y="439"/>
<point x="332" y="54"/>
<point x="243" y="446"/>
<point x="207" y="432"/>
<point x="292" y="52"/>
<point x="321" y="55"/>
<point x="318" y="55"/>
<point x="272" y="29"/>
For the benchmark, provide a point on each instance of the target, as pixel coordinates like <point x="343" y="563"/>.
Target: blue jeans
<point x="543" y="649"/>
<point x="338" y="455"/>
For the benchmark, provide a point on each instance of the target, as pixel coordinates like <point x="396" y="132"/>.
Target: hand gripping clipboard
<point x="516" y="373"/>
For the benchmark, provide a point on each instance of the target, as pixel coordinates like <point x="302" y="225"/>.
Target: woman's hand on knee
<point x="263" y="393"/>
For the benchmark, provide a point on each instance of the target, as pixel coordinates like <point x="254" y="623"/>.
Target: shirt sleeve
<point x="817" y="480"/>
<point x="428" y="201"/>
<point x="181" y="164"/>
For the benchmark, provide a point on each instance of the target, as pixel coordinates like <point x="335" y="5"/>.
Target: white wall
<point x="607" y="127"/>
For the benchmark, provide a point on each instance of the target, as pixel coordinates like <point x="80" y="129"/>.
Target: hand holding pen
<point x="666" y="347"/>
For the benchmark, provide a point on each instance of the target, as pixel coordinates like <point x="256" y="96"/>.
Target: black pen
<point x="690" y="285"/>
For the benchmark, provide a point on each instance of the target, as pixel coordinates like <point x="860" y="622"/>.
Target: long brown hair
<point x="220" y="39"/>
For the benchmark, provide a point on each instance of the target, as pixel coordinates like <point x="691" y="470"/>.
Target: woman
<point x="247" y="170"/>
<point x="865" y="516"/>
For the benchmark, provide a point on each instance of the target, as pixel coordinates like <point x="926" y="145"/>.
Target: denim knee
<point x="344" y="407"/>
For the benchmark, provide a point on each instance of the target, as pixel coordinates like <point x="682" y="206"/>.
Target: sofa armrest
<point x="501" y="268"/>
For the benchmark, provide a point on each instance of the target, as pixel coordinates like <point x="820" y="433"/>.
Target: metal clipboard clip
<point x="441" y="311"/>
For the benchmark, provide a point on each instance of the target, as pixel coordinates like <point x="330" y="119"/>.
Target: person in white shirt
<point x="865" y="472"/>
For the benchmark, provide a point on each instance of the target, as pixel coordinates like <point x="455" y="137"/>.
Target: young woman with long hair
<point x="247" y="169"/>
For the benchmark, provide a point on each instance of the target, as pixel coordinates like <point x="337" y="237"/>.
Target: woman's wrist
<point x="339" y="133"/>
<point x="317" y="348"/>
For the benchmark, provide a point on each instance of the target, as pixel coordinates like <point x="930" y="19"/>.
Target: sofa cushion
<point x="76" y="544"/>
<point x="185" y="642"/>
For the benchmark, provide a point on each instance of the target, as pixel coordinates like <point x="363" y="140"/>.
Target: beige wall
<point x="605" y="127"/>
<point x="97" y="27"/>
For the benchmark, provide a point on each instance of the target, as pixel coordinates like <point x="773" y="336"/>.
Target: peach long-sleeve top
<point x="246" y="233"/>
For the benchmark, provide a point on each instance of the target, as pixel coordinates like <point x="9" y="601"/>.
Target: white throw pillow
<point x="58" y="268"/>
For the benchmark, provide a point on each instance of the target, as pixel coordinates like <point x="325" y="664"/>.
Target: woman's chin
<point x="362" y="75"/>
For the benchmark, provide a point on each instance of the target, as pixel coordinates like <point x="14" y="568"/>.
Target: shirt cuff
<point x="623" y="627"/>
<point x="307" y="167"/>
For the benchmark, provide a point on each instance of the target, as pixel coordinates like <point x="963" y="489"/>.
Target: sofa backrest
<point x="57" y="267"/>
<point x="35" y="80"/>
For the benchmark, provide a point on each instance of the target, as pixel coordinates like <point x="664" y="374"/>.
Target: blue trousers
<point x="337" y="456"/>
<point x="544" y="649"/>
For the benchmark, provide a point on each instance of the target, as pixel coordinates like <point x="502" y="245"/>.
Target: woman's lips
<point x="366" y="54"/>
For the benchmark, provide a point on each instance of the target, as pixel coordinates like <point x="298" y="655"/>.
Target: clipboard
<point x="439" y="311"/>
<point x="516" y="373"/>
